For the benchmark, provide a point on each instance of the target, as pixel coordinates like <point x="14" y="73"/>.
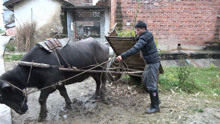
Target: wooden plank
<point x="99" y="71"/>
<point x="120" y="44"/>
<point x="120" y="41"/>
<point x="120" y="38"/>
<point x="117" y="43"/>
<point x="40" y="65"/>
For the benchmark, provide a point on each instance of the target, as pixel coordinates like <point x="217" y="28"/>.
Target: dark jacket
<point x="147" y="46"/>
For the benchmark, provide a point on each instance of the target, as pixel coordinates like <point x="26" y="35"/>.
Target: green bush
<point x="2" y="31"/>
<point x="186" y="82"/>
<point x="10" y="47"/>
<point x="126" y="33"/>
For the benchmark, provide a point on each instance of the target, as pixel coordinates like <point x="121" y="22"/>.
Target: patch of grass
<point x="186" y="79"/>
<point x="208" y="78"/>
<point x="198" y="110"/>
<point x="13" y="57"/>
<point x="10" y="47"/>
<point x="125" y="77"/>
<point x="168" y="81"/>
<point x="191" y="79"/>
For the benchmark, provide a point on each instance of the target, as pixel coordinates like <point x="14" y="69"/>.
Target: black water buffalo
<point x="78" y="54"/>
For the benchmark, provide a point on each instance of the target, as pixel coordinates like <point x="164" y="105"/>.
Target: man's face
<point x="139" y="31"/>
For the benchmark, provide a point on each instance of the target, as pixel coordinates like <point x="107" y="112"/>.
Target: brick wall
<point x="190" y="23"/>
<point x="11" y="31"/>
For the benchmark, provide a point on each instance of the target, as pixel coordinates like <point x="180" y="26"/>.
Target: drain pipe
<point x="188" y="62"/>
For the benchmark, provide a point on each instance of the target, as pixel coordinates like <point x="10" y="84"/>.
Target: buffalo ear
<point x="0" y="98"/>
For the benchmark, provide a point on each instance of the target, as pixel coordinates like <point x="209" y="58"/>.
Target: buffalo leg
<point x="42" y="100"/>
<point x="103" y="86"/>
<point x="100" y="86"/>
<point x="64" y="94"/>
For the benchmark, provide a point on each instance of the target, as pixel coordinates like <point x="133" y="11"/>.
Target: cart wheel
<point x="115" y="66"/>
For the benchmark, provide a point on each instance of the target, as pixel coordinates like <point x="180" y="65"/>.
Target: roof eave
<point x="84" y="7"/>
<point x="10" y="4"/>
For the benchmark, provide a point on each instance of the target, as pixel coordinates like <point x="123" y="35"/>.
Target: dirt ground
<point x="126" y="105"/>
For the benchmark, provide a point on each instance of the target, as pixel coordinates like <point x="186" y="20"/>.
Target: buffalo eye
<point x="7" y="89"/>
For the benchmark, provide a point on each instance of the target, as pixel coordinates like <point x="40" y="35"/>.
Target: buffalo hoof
<point x="106" y="101"/>
<point x="102" y="99"/>
<point x="67" y="107"/>
<point x="41" y="118"/>
<point x="95" y="98"/>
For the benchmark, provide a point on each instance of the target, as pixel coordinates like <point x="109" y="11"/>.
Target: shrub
<point x="25" y="36"/>
<point x="186" y="83"/>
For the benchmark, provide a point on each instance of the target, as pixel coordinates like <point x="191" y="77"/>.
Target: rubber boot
<point x="154" y="102"/>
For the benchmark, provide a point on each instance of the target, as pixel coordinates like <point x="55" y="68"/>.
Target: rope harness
<point x="125" y="70"/>
<point x="25" y="92"/>
<point x="61" y="68"/>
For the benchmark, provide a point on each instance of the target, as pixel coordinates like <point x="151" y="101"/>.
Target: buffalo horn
<point x="5" y="85"/>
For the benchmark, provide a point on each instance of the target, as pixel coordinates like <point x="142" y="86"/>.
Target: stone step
<point x="190" y="55"/>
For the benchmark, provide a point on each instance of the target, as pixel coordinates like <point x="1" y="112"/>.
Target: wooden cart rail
<point x="43" y="65"/>
<point x="74" y="69"/>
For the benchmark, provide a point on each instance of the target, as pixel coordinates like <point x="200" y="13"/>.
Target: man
<point x="150" y="75"/>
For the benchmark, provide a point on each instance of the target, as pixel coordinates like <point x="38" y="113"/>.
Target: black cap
<point x="141" y="24"/>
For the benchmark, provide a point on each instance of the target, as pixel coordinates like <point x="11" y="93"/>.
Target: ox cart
<point x="135" y="63"/>
<point x="133" y="66"/>
<point x="49" y="67"/>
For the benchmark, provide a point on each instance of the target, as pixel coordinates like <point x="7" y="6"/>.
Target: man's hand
<point x="118" y="58"/>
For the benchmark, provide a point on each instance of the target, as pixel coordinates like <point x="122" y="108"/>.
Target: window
<point x="85" y="29"/>
<point x="87" y="24"/>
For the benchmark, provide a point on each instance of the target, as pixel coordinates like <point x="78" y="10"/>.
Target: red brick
<point x="191" y="21"/>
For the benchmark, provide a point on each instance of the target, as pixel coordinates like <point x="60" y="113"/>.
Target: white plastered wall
<point x="41" y="11"/>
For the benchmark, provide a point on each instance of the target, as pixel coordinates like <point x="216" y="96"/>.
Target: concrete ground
<point x="5" y="112"/>
<point x="203" y="63"/>
<point x="195" y="58"/>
